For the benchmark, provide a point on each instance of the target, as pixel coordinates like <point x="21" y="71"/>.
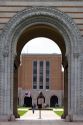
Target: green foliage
<point x="59" y="113"/>
<point x="21" y="112"/>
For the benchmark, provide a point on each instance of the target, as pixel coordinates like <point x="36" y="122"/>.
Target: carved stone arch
<point x="42" y="15"/>
<point x="9" y="39"/>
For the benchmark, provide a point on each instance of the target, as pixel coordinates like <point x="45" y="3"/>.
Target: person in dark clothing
<point x="33" y="108"/>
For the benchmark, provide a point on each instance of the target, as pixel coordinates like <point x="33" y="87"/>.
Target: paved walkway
<point x="40" y="122"/>
<point x="45" y="115"/>
<point x="47" y="119"/>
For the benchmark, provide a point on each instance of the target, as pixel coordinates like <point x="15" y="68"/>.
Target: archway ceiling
<point x="41" y="31"/>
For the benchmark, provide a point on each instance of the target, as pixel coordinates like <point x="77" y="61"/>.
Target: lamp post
<point x="40" y="102"/>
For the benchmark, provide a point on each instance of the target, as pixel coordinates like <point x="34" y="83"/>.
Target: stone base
<point x="17" y="116"/>
<point x="63" y="116"/>
<point x="68" y="118"/>
<point x="7" y="117"/>
<point x="77" y="117"/>
<point x="71" y="118"/>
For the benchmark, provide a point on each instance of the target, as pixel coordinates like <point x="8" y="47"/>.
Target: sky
<point x="41" y="45"/>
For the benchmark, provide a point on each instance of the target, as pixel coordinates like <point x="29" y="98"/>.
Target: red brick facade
<point x="25" y="79"/>
<point x="25" y="70"/>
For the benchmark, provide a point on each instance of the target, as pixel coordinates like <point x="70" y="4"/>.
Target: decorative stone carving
<point x="81" y="86"/>
<point x="36" y="13"/>
<point x="6" y="51"/>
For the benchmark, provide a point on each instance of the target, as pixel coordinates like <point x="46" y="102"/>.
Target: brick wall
<point x="25" y="71"/>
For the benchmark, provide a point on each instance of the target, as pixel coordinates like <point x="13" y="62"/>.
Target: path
<point x="45" y="115"/>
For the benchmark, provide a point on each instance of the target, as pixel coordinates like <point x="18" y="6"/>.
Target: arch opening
<point x="43" y="34"/>
<point x="40" y="57"/>
<point x="41" y="45"/>
<point x="36" y="31"/>
<point x="41" y="31"/>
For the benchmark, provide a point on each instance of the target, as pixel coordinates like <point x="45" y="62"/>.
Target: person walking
<point x="33" y="108"/>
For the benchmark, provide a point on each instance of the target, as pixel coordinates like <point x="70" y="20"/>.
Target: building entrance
<point x="27" y="101"/>
<point x="53" y="101"/>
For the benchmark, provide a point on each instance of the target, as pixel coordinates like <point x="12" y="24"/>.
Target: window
<point x="35" y="71"/>
<point x="47" y="64"/>
<point x="34" y="78"/>
<point x="35" y="75"/>
<point x="41" y="75"/>
<point x="47" y="74"/>
<point x="35" y="63"/>
<point x="41" y="79"/>
<point x="47" y="79"/>
<point x="41" y="85"/>
<point x="34" y="86"/>
<point x="47" y="86"/>
<point x="41" y="64"/>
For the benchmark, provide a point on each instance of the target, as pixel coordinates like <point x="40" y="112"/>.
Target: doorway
<point x="53" y="101"/>
<point x="28" y="101"/>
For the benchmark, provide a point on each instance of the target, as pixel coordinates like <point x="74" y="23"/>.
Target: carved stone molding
<point x="35" y="13"/>
<point x="6" y="51"/>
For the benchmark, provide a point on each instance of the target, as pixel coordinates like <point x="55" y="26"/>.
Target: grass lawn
<point x="59" y="113"/>
<point x="58" y="110"/>
<point x="21" y="112"/>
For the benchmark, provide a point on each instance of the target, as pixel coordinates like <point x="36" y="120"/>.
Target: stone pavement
<point x="45" y="115"/>
<point x="33" y="119"/>
<point x="40" y="122"/>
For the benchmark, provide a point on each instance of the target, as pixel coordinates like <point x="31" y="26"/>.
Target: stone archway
<point x="31" y="23"/>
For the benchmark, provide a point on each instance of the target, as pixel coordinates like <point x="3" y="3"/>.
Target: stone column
<point x="73" y="87"/>
<point x="6" y="112"/>
<point x="15" y="92"/>
<point x="65" y="91"/>
<point x="15" y="88"/>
